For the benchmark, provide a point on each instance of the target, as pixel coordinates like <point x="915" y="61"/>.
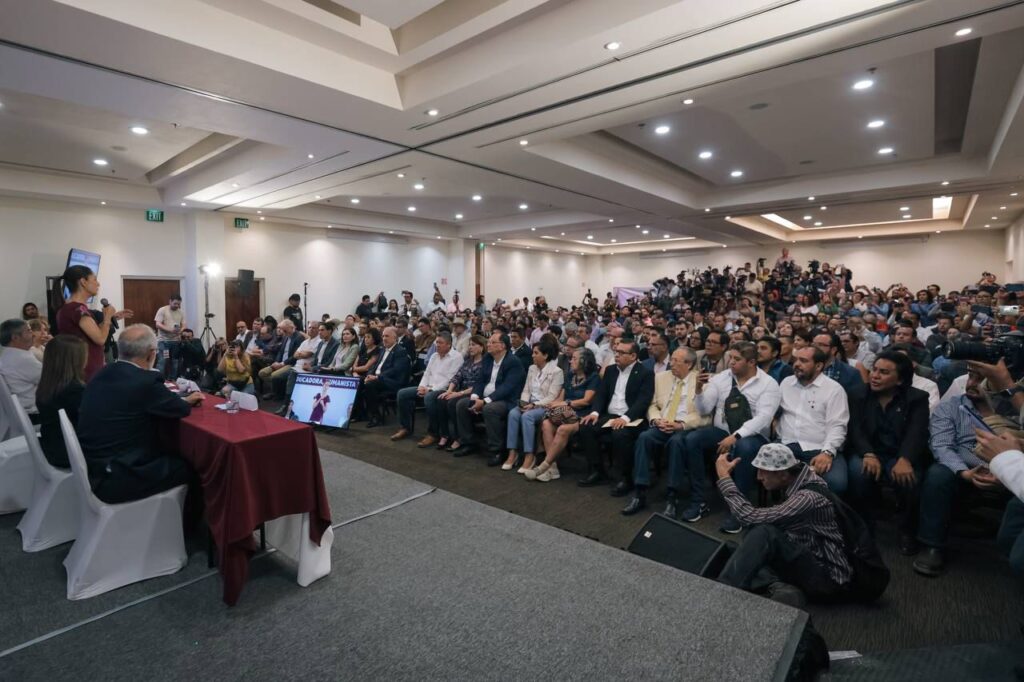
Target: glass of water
<point x="231" y="407"/>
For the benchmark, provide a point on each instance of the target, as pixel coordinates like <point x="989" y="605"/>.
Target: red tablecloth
<point x="254" y="467"/>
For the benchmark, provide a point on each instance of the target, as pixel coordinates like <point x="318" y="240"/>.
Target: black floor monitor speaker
<point x="678" y="544"/>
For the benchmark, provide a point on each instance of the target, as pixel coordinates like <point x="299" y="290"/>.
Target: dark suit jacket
<point x="909" y="410"/>
<point x="525" y="355"/>
<point x="851" y="381"/>
<point x="639" y="391"/>
<point x="510" y="380"/>
<point x="116" y="423"/>
<point x="328" y="355"/>
<point x="289" y="359"/>
<point x="394" y="373"/>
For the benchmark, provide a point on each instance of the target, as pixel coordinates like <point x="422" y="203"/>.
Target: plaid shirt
<point x="807" y="518"/>
<point x="952" y="435"/>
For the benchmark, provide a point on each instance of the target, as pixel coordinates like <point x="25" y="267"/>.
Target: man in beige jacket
<point x="672" y="413"/>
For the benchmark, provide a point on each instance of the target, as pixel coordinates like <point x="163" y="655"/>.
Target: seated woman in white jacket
<point x="543" y="386"/>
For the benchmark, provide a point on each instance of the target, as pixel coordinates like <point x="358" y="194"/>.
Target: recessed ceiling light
<point x="477" y="197"/>
<point x="963" y="32"/>
<point x="499" y="239"/>
<point x="439" y="236"/>
<point x="401" y="175"/>
<point x="938" y="231"/>
<point x="310" y="156"/>
<point x="904" y="208"/>
<point x="418" y="186"/>
<point x="688" y="100"/>
<point x="258" y="212"/>
<point x="817" y="224"/>
<point x="391" y="231"/>
<point x="432" y="112"/>
<point x="100" y="162"/>
<point x="810" y="198"/>
<point x="737" y="174"/>
<point x="665" y="236"/>
<point x="140" y="130"/>
<point x="235" y="184"/>
<point x="590" y="236"/>
<point x="411" y="209"/>
<point x="1002" y="208"/>
<point x="612" y="46"/>
<point x="353" y="200"/>
<point x="533" y="229"/>
<point x="906" y="216"/>
<point x="523" y="143"/>
<point x="945" y="183"/>
<point x="330" y="226"/>
<point x="184" y="204"/>
<point x="705" y="154"/>
<point x="664" y="250"/>
<point x="558" y="251"/>
<point x="523" y="207"/>
<point x="807" y="217"/>
<point x="877" y="123"/>
<point x="458" y="216"/>
<point x="1013" y="194"/>
<point x="662" y="130"/>
<point x="613" y="241"/>
<point x="316" y="197"/>
<point x="860" y="236"/>
<point x="725" y="246"/>
<point x="563" y="234"/>
<point x="728" y="217"/>
<point x="824" y="208"/>
<point x="987" y="226"/>
<point x="707" y="210"/>
<point x="645" y="232"/>
<point x="995" y="217"/>
<point x="262" y="218"/>
<point x="886" y="150"/>
<point x="863" y="84"/>
<point x="493" y="244"/>
<point x="470" y="236"/>
<point x="103" y="203"/>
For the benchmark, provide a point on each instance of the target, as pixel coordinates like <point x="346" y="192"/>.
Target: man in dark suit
<point x="116" y="424"/>
<point x="624" y="396"/>
<point x="519" y="347"/>
<point x="387" y="376"/>
<point x="496" y="391"/>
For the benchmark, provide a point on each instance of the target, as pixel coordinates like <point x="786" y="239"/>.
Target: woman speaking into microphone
<point x="75" y="318"/>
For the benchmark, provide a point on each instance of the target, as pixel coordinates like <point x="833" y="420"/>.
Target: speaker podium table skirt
<point x="257" y="468"/>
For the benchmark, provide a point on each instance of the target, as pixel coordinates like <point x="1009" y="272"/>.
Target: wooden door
<point x="238" y="307"/>
<point x="145" y="296"/>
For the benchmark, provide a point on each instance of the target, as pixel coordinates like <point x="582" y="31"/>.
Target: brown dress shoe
<point x="399" y="434"/>
<point x="426" y="441"/>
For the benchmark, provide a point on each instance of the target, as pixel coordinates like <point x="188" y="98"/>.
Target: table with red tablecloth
<point x="258" y="468"/>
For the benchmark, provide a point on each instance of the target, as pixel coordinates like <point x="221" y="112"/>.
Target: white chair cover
<point x="246" y="401"/>
<point x="52" y="516"/>
<point x="17" y="472"/>
<point x="119" y="544"/>
<point x="290" y="535"/>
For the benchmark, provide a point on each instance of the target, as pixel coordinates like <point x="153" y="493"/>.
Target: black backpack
<point x="870" y="574"/>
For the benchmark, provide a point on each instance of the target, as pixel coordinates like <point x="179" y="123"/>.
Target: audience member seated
<point x="277" y="372"/>
<point x="460" y="336"/>
<point x="836" y="367"/>
<point x="18" y="366"/>
<point x="315" y="355"/>
<point x="858" y="354"/>
<point x="519" y="347"/>
<point x="494" y="394"/>
<point x="40" y="336"/>
<point x="437" y="377"/>
<point x="714" y="361"/>
<point x="346" y="354"/>
<point x="60" y="388"/>
<point x="236" y="368"/>
<point x="658" y="360"/>
<point x="917" y="381"/>
<point x="768" y="351"/>
<point x="265" y="347"/>
<point x="616" y="418"/>
<point x="461" y="386"/>
<point x="743" y="402"/>
<point x="117" y="427"/>
<point x="213" y="377"/>
<point x="671" y="415"/>
<point x="543" y="387"/>
<point x="1006" y="461"/>
<point x="29" y="311"/>
<point x="889" y="439"/>
<point x="423" y="340"/>
<point x="562" y="418"/>
<point x="388" y="374"/>
<point x="794" y="549"/>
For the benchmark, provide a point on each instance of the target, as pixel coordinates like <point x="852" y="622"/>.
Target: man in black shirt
<point x="293" y="312"/>
<point x="888" y="438"/>
<point x="364" y="310"/>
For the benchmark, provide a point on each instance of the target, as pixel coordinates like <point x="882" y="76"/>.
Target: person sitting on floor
<point x="543" y="387"/>
<point x="616" y="416"/>
<point x="18" y="366"/>
<point x="117" y="427"/>
<point x="794" y="548"/>
<point x="192" y="356"/>
<point x="438" y="375"/>
<point x="236" y="368"/>
<point x="60" y="388"/>
<point x="390" y="373"/>
<point x="672" y="414"/>
<point x="579" y="388"/>
<point x="461" y="386"/>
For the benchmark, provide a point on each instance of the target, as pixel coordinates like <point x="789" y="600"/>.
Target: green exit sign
<point x="154" y="215"/>
<point x="242" y="223"/>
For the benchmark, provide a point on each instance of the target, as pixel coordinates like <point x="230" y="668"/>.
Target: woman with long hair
<point x="60" y="388"/>
<point x="75" y="318"/>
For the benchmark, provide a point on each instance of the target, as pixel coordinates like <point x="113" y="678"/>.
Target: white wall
<point x="1014" y="254"/>
<point x="950" y="260"/>
<point x="512" y="273"/>
<point x="35" y="237"/>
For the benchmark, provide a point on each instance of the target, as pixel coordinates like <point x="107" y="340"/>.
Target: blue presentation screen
<point x="324" y="400"/>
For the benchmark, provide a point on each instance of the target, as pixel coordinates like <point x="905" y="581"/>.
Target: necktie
<point x="316" y="356"/>
<point x="673" y="403"/>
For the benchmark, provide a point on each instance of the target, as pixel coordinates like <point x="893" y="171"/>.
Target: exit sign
<point x="154" y="215"/>
<point x="241" y="223"/>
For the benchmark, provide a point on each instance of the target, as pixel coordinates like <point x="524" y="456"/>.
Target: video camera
<point x="1008" y="347"/>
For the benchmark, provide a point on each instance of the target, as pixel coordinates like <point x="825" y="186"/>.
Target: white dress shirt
<point x="493" y="382"/>
<point x="929" y="387"/>
<point x="21" y="370"/>
<point x="1008" y="467"/>
<point x="617" y="405"/>
<point x="440" y="371"/>
<point x="761" y="391"/>
<point x="307" y="346"/>
<point x="815" y="415"/>
<point x="383" y="357"/>
<point x="660" y="367"/>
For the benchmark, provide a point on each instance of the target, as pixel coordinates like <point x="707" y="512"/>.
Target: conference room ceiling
<point x="289" y="110"/>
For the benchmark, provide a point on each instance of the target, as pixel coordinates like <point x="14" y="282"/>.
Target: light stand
<point x="305" y="302"/>
<point x="207" y="270"/>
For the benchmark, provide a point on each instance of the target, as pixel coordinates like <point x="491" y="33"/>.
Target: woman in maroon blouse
<point x="75" y="318"/>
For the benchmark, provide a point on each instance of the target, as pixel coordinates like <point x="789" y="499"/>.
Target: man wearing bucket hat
<point x="794" y="548"/>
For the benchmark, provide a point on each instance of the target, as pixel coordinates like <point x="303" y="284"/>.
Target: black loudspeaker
<point x="245" y="279"/>
<point x="681" y="546"/>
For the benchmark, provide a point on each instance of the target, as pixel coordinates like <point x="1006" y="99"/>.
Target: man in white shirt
<point x="540" y="330"/>
<point x="813" y="417"/>
<point x="18" y="366"/>
<point x="1006" y="462"/>
<point x="169" y="322"/>
<point x="714" y="393"/>
<point x="441" y="368"/>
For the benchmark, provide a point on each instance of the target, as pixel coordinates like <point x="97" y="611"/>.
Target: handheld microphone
<point x="104" y="302"/>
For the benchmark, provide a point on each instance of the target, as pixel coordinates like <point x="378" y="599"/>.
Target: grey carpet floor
<point x="439" y="588"/>
<point x="32" y="585"/>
